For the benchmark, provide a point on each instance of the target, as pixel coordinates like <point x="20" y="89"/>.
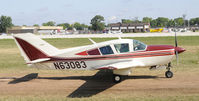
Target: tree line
<point x="165" y="22"/>
<point x="67" y="26"/>
<point x="97" y="23"/>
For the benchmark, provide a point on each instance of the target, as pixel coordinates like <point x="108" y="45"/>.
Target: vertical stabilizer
<point x="33" y="48"/>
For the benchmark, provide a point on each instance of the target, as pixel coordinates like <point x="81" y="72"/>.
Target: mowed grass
<point x="12" y="63"/>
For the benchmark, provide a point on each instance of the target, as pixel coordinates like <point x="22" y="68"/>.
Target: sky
<point x="30" y="12"/>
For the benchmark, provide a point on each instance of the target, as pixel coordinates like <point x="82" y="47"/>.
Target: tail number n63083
<point x="70" y="65"/>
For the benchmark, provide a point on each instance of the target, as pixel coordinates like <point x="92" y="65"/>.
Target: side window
<point x="122" y="48"/>
<point x="93" y="52"/>
<point x="106" y="50"/>
<point x="137" y="45"/>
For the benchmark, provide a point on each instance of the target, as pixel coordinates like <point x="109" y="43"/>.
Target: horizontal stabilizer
<point x="39" y="60"/>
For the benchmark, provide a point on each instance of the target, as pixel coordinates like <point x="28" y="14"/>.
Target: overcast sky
<point x="29" y="12"/>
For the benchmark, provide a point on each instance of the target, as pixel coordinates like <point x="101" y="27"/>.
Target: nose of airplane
<point x="179" y="49"/>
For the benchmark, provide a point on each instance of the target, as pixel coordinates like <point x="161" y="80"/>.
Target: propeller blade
<point x="176" y="57"/>
<point x="176" y="45"/>
<point x="176" y="42"/>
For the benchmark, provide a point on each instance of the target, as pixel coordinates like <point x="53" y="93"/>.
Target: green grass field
<point x="12" y="63"/>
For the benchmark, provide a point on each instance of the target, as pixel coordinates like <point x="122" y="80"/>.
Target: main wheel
<point x="169" y="74"/>
<point x="117" y="78"/>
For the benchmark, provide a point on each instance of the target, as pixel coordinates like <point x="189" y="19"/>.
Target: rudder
<point x="33" y="48"/>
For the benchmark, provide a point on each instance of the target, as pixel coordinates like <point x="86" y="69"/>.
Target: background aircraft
<point x="156" y="30"/>
<point x="120" y="55"/>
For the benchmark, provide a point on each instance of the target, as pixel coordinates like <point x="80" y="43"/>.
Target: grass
<point x="11" y="63"/>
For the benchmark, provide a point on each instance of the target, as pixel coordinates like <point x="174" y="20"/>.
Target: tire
<point x="168" y="74"/>
<point x="117" y="78"/>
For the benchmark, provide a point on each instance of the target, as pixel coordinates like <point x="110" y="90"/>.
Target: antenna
<point x="119" y="37"/>
<point x="92" y="41"/>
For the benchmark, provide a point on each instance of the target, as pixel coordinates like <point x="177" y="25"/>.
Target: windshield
<point x="137" y="45"/>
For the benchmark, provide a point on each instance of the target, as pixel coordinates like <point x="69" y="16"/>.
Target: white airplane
<point x="120" y="55"/>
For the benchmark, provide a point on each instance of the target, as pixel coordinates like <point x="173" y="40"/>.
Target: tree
<point x="194" y="21"/>
<point x="97" y="23"/>
<point x="179" y="21"/>
<point x="162" y="21"/>
<point x="153" y="23"/>
<point x="146" y="20"/>
<point x="65" y="25"/>
<point x="36" y="25"/>
<point x="136" y="20"/>
<point x="70" y="27"/>
<point x="78" y="26"/>
<point x="84" y="25"/>
<point x="5" y="22"/>
<point x="171" y="23"/>
<point x="90" y="27"/>
<point x="50" y="23"/>
<point x="127" y="21"/>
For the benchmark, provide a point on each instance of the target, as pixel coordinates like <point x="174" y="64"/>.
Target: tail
<point x="34" y="49"/>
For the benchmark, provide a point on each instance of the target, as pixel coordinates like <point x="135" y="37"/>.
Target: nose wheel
<point x="168" y="73"/>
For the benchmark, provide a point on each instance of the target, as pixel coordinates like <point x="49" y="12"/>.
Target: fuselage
<point x="121" y="53"/>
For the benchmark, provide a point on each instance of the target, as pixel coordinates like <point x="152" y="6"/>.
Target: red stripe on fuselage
<point x="120" y="56"/>
<point x="159" y="47"/>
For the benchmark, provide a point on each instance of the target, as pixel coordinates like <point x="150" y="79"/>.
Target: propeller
<point x="176" y="45"/>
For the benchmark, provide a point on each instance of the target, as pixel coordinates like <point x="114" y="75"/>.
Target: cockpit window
<point x="122" y="48"/>
<point x="137" y="45"/>
<point x="93" y="52"/>
<point x="106" y="50"/>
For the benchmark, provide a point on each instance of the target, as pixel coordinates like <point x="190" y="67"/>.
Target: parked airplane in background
<point x="156" y="30"/>
<point x="119" y="55"/>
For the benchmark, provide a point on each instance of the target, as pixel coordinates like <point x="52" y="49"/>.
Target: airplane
<point x="156" y="30"/>
<point x="119" y="55"/>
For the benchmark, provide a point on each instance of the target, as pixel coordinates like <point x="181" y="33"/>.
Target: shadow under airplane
<point x="95" y="84"/>
<point x="25" y="78"/>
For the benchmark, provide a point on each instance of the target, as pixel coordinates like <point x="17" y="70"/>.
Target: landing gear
<point x="168" y="73"/>
<point x="117" y="78"/>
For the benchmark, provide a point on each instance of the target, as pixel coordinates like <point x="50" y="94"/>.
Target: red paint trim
<point x="32" y="52"/>
<point x="120" y="56"/>
<point x="159" y="47"/>
<point x="94" y="52"/>
<point x="82" y="53"/>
